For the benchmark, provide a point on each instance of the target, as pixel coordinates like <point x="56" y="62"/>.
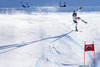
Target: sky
<point x="16" y="3"/>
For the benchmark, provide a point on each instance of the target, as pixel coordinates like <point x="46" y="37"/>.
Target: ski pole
<point x="71" y="25"/>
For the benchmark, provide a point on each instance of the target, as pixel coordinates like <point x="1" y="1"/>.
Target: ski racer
<point x="75" y="18"/>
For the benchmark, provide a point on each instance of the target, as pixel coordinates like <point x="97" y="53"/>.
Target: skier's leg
<point x="81" y="20"/>
<point x="75" y="25"/>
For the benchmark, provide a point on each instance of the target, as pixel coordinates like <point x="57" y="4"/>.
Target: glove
<point x="80" y="7"/>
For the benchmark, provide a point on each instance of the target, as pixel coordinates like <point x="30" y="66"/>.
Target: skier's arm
<point x="79" y="9"/>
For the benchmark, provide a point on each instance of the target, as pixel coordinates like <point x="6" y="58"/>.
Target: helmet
<point x="74" y="11"/>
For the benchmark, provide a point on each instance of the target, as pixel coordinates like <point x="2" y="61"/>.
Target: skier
<point x="75" y="18"/>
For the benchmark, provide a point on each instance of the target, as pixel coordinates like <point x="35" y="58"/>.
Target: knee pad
<point x="78" y="18"/>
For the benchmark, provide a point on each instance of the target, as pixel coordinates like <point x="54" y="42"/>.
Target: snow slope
<point x="46" y="39"/>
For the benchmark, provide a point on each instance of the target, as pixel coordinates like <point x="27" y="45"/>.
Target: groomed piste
<point x="47" y="39"/>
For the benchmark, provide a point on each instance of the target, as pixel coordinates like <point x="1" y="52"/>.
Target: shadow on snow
<point x="15" y="46"/>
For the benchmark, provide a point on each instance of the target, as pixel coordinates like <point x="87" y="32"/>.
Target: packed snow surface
<point x="46" y="39"/>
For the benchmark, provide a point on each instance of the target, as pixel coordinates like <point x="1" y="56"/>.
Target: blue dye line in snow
<point x="37" y="62"/>
<point x="71" y="39"/>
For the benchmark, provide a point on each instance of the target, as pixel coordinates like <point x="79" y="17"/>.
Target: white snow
<point x="46" y="40"/>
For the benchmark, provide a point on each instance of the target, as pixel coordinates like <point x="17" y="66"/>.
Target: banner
<point x="89" y="47"/>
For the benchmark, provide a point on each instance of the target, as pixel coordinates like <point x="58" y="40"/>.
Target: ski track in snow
<point x="69" y="37"/>
<point x="51" y="49"/>
<point x="81" y="48"/>
<point x="43" y="56"/>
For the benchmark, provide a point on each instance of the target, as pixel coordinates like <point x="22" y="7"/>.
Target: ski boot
<point x="76" y="30"/>
<point x="84" y="21"/>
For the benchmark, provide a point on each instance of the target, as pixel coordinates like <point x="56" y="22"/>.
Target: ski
<point x="77" y="31"/>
